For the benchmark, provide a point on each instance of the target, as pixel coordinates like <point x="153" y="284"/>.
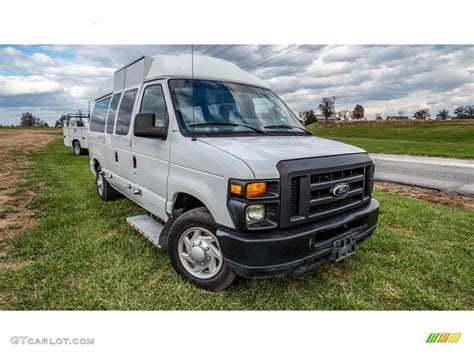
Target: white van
<point x="75" y="133"/>
<point x="232" y="181"/>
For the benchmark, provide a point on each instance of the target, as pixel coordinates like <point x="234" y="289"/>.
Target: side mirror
<point x="144" y="127"/>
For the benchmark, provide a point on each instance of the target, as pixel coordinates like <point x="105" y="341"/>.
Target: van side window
<point x="154" y="102"/>
<point x="111" y="114"/>
<point x="98" y="115"/>
<point x="125" y="112"/>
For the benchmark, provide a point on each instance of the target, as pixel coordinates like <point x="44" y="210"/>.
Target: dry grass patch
<point x="435" y="196"/>
<point x="16" y="216"/>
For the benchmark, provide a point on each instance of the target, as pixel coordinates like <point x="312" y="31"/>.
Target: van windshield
<point x="215" y="108"/>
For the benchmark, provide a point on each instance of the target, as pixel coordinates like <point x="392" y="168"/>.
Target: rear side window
<point x="125" y="112"/>
<point x="98" y="115"/>
<point x="111" y="114"/>
<point x="154" y="102"/>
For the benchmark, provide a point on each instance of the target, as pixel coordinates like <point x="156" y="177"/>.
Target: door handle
<point x="134" y="162"/>
<point x="116" y="157"/>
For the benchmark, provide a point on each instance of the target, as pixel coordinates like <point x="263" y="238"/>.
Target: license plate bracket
<point x="343" y="247"/>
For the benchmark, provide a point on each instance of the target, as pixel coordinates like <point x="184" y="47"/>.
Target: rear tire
<point x="76" y="147"/>
<point x="194" y="251"/>
<point x="104" y="190"/>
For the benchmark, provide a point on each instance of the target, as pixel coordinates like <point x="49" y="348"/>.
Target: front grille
<point x="317" y="201"/>
<point x="306" y="187"/>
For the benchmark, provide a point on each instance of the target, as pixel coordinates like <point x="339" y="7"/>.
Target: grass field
<point x="444" y="139"/>
<point x="82" y="255"/>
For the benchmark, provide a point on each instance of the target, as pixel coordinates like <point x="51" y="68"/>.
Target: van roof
<point x="177" y="66"/>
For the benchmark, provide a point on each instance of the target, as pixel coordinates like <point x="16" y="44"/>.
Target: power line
<point x="224" y="50"/>
<point x="305" y="51"/>
<point x="209" y="49"/>
<point x="184" y="50"/>
<point x="273" y="56"/>
<point x="266" y="57"/>
<point x="245" y="56"/>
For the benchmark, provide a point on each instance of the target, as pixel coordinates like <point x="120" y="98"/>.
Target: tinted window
<point x="154" y="102"/>
<point x="111" y="114"/>
<point x="125" y="112"/>
<point x="98" y="115"/>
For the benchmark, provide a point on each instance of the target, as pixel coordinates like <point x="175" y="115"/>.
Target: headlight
<point x="254" y="214"/>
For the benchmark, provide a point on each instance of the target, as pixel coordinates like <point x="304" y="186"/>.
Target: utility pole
<point x="334" y="102"/>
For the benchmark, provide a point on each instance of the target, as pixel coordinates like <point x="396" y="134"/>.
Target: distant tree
<point x="61" y="121"/>
<point x="469" y="110"/>
<point x="307" y="117"/>
<point x="327" y="107"/>
<point x="343" y="115"/>
<point x="423" y="114"/>
<point x="464" y="112"/>
<point x="358" y="112"/>
<point x="401" y="113"/>
<point x="27" y="119"/>
<point x="443" y="115"/>
<point x="378" y="116"/>
<point x="459" y="112"/>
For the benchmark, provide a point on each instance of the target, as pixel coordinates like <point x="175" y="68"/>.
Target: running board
<point x="148" y="227"/>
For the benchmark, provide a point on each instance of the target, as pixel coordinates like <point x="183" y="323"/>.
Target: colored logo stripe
<point x="454" y="338"/>
<point x="443" y="337"/>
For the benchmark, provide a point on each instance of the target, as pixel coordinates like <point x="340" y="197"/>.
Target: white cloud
<point x="28" y="85"/>
<point x="10" y="52"/>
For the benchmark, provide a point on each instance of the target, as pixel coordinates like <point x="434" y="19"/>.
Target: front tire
<point x="195" y="253"/>
<point x="104" y="190"/>
<point x="78" y="150"/>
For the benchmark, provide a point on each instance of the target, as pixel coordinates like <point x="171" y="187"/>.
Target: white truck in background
<point x="75" y="133"/>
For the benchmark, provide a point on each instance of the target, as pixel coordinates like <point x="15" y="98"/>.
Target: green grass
<point x="443" y="139"/>
<point x="82" y="255"/>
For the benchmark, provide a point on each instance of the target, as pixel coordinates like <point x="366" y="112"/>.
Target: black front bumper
<point x="286" y="251"/>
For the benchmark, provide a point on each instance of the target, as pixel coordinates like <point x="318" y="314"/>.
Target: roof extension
<point x="182" y="66"/>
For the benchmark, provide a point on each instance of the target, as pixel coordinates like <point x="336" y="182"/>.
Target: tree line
<point x="327" y="107"/>
<point x="27" y="119"/>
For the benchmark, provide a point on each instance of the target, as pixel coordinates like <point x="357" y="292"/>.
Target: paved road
<point x="435" y="173"/>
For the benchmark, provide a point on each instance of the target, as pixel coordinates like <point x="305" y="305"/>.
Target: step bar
<point x="149" y="227"/>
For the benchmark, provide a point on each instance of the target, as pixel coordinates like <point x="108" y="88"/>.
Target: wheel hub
<point x="198" y="254"/>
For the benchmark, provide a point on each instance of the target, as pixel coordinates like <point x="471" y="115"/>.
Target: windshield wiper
<point x="288" y="127"/>
<point x="227" y="124"/>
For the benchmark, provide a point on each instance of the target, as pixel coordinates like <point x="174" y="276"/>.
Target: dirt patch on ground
<point x="15" y="213"/>
<point x="443" y="198"/>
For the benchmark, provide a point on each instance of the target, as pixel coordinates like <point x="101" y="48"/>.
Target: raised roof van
<point x="232" y="182"/>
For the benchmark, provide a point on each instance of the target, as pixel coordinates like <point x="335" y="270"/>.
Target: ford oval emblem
<point x="340" y="190"/>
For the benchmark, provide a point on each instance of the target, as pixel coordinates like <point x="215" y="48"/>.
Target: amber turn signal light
<point x="256" y="189"/>
<point x="235" y="189"/>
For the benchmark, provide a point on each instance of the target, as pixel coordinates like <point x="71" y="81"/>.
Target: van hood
<point x="262" y="154"/>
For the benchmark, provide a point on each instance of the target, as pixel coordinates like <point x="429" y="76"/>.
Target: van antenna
<point x="192" y="61"/>
<point x="192" y="86"/>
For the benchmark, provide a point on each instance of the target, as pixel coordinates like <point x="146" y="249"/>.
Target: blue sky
<point x="49" y="80"/>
